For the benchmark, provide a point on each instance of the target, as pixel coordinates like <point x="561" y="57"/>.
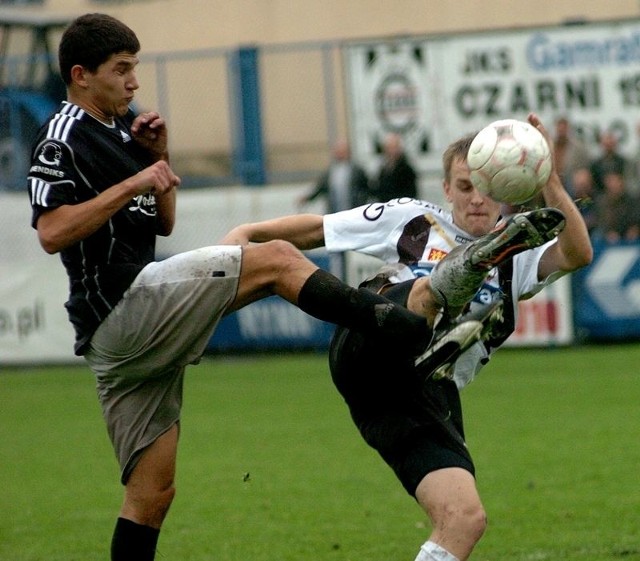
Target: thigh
<point x="448" y="490"/>
<point x="139" y="411"/>
<point x="433" y="445"/>
<point x="169" y="313"/>
<point x="274" y="267"/>
<point x="150" y="487"/>
<point x="139" y="353"/>
<point x="415" y="428"/>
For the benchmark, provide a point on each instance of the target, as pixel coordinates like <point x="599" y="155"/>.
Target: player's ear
<point x="78" y="75"/>
<point x="447" y="190"/>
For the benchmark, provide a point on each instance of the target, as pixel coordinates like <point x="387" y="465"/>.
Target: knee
<point x="468" y="523"/>
<point x="458" y="528"/>
<point x="280" y="252"/>
<point x="162" y="502"/>
<point x="476" y="523"/>
<point x="150" y="507"/>
<point x="422" y="300"/>
<point x="278" y="259"/>
<point x="450" y="499"/>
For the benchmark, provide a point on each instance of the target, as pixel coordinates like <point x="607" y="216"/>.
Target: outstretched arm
<point x="305" y="231"/>
<point x="573" y="249"/>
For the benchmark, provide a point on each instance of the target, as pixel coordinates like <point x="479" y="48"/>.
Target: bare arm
<point x="166" y="208"/>
<point x="573" y="248"/>
<point x="305" y="231"/>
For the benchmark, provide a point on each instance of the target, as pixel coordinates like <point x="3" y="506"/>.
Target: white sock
<point x="431" y="551"/>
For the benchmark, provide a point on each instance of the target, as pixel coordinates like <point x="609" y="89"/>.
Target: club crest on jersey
<point x="50" y="154"/>
<point x="436" y="254"/>
<point x="146" y="204"/>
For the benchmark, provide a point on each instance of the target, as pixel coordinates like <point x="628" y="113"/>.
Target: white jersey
<point x="419" y="234"/>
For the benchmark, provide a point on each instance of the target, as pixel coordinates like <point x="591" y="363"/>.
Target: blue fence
<point x="606" y="295"/>
<point x="605" y="300"/>
<point x="237" y="115"/>
<point x="272" y="324"/>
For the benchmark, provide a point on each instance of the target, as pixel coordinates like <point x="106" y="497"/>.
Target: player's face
<point x="475" y="213"/>
<point x="111" y="89"/>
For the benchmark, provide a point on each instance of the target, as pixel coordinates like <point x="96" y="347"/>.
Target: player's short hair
<point x="456" y="151"/>
<point x="90" y="40"/>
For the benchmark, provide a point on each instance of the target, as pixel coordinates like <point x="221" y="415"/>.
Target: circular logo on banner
<point x="396" y="103"/>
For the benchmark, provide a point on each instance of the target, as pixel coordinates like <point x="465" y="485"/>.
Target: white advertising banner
<point x="546" y="319"/>
<point x="34" y="327"/>
<point x="432" y="90"/>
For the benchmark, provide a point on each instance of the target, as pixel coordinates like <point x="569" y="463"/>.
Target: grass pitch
<point x="271" y="468"/>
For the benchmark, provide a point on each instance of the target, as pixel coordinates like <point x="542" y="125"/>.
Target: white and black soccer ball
<point x="510" y="161"/>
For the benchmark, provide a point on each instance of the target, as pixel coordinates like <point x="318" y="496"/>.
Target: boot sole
<point x="492" y="254"/>
<point x="443" y="354"/>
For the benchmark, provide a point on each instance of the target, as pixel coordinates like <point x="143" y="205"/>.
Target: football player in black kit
<point x="438" y="261"/>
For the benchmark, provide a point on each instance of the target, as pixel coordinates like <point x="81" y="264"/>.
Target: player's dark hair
<point x="90" y="40"/>
<point x="456" y="151"/>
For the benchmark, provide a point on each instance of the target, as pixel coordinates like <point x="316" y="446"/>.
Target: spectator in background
<point x="609" y="161"/>
<point x="397" y="177"/>
<point x="633" y="179"/>
<point x="582" y="193"/>
<point x="617" y="211"/>
<point x="344" y="184"/>
<point x="570" y="152"/>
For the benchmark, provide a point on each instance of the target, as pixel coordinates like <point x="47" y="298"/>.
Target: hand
<point x="535" y="121"/>
<point x="158" y="179"/>
<point x="150" y="131"/>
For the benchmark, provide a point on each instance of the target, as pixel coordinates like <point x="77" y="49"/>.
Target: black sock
<point x="327" y="298"/>
<point x="133" y="542"/>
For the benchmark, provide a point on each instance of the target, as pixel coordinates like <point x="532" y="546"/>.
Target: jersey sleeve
<point x="51" y="180"/>
<point x="372" y="229"/>
<point x="525" y="272"/>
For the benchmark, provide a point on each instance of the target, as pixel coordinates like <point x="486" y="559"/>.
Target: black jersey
<point x="75" y="158"/>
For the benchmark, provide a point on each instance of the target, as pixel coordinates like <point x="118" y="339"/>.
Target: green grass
<point x="271" y="468"/>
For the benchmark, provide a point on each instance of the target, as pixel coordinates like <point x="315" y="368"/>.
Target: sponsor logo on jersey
<point x="50" y="154"/>
<point x="436" y="254"/>
<point x="125" y="136"/>
<point x="146" y="204"/>
<point x="46" y="171"/>
<point x="462" y="239"/>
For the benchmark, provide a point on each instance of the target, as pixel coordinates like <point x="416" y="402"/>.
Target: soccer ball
<point x="510" y="161"/>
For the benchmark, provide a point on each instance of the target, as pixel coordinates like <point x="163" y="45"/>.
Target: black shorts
<point x="416" y="427"/>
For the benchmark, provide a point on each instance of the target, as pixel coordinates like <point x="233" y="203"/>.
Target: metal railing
<point x="302" y="110"/>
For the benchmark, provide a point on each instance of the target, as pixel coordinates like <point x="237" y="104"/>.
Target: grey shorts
<point x="163" y="323"/>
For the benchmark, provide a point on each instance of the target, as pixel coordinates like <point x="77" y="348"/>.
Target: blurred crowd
<point x="604" y="183"/>
<point x="606" y="186"/>
<point x="345" y="183"/>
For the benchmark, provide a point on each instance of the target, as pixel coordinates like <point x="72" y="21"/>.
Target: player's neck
<point x="92" y="110"/>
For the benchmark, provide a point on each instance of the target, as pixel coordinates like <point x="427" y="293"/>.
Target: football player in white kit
<point x="464" y="269"/>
